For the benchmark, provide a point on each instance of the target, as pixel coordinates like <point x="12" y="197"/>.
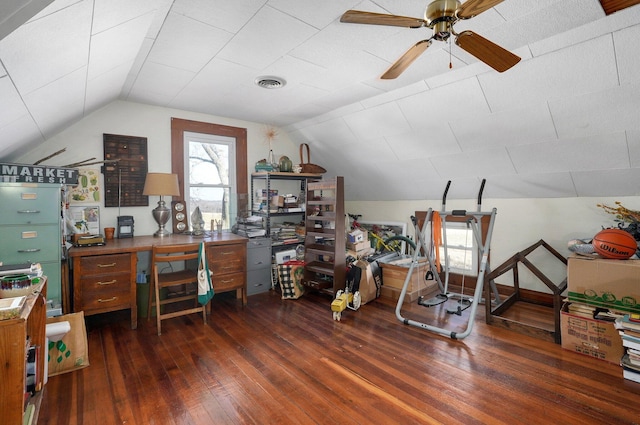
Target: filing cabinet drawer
<point x="22" y="204"/>
<point x="101" y="264"/>
<point x="258" y="258"/>
<point x="35" y="243"/>
<point x="258" y="281"/>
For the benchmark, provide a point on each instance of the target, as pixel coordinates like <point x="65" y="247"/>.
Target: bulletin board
<point x="124" y="179"/>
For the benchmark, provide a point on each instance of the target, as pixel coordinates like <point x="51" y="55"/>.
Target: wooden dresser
<point x="104" y="277"/>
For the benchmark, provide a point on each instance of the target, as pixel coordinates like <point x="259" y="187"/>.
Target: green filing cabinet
<point x="30" y="229"/>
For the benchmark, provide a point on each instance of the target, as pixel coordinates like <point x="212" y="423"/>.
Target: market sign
<point x="22" y="173"/>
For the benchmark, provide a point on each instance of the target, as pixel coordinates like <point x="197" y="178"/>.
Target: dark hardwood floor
<point x="287" y="362"/>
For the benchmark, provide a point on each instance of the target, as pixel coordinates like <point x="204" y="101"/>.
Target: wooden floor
<point x="287" y="362"/>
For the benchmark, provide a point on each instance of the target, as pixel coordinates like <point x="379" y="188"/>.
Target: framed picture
<point x="385" y="229"/>
<point x="87" y="191"/>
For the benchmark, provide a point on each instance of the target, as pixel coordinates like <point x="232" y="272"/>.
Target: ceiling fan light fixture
<point x="270" y="82"/>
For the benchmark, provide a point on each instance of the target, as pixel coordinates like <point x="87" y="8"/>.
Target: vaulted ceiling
<point x="563" y="122"/>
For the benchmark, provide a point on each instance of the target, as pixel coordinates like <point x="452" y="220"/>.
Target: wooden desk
<point x="104" y="277"/>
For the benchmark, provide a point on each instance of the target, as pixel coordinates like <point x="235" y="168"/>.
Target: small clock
<point x="179" y="217"/>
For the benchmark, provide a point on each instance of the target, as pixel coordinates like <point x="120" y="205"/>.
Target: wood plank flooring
<point x="287" y="362"/>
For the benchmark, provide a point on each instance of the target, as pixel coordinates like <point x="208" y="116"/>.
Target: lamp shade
<point x="161" y="184"/>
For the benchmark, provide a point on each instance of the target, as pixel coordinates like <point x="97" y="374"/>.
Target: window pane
<point x="212" y="202"/>
<point x="208" y="163"/>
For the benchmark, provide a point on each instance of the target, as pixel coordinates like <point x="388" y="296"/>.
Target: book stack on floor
<point x="629" y="328"/>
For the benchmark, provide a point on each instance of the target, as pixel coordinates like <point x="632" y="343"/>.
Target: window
<point x="210" y="161"/>
<point x="201" y="182"/>
<point x="461" y="249"/>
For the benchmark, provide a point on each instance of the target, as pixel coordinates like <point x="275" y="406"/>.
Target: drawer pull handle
<point x="28" y="211"/>
<point x="111" y="282"/>
<point x="106" y="265"/>
<point x="29" y="250"/>
<point x="226" y="281"/>
<point x="227" y="253"/>
<point x="259" y="262"/>
<point x="107" y="300"/>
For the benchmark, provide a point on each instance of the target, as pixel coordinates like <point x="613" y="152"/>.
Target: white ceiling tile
<point x="489" y="162"/>
<point x="187" y="43"/>
<point x="547" y="185"/>
<point x="505" y="128"/>
<point x="266" y="37"/>
<point x="581" y="154"/>
<point x="163" y="80"/>
<point x="58" y="43"/>
<point x="633" y="141"/>
<point x="59" y="103"/>
<point x="118" y="45"/>
<point x="11" y="104"/>
<point x="227" y="15"/>
<point x="24" y="135"/>
<point x="317" y="14"/>
<point x="626" y="44"/>
<point x="570" y="72"/>
<point x="105" y="87"/>
<point x="444" y="104"/>
<point x="607" y="182"/>
<point x="438" y="140"/>
<point x="600" y="112"/>
<point x="380" y="121"/>
<point x="111" y="13"/>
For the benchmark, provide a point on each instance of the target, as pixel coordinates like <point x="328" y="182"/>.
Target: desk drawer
<point x="107" y="290"/>
<point x="101" y="264"/>
<point x="227" y="259"/>
<point x="258" y="258"/>
<point x="226" y="282"/>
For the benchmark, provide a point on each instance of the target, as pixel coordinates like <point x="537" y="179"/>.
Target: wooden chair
<point x="181" y="285"/>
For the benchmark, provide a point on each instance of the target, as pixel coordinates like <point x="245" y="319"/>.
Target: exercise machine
<point x="462" y="302"/>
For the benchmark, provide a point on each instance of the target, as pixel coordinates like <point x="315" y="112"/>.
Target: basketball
<point x="614" y="244"/>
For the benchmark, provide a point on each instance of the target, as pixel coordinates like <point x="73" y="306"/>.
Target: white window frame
<point x="190" y="136"/>
<point x="470" y="245"/>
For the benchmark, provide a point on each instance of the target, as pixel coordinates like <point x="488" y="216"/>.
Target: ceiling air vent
<point x="270" y="82"/>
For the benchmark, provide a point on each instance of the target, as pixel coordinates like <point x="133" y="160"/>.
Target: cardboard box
<point x="612" y="284"/>
<point x="358" y="246"/>
<point x="395" y="272"/>
<point x="357" y="235"/>
<point x="591" y="337"/>
<point x="277" y="201"/>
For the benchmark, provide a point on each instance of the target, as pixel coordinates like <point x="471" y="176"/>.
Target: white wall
<point x="519" y="222"/>
<point x="84" y="140"/>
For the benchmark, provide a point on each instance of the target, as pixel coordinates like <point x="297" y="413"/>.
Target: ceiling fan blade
<point x="488" y="52"/>
<point x="471" y="8"/>
<point x="611" y="6"/>
<point x="405" y="60"/>
<point x="359" y="17"/>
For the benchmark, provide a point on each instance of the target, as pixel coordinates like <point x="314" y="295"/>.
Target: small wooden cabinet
<point x="15" y="337"/>
<point x="228" y="264"/>
<point x="105" y="283"/>
<point x="325" y="263"/>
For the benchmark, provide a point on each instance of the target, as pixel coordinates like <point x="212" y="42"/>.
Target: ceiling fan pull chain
<point x="450" y="64"/>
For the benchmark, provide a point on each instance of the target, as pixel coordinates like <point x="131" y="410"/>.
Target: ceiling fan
<point x="440" y="16"/>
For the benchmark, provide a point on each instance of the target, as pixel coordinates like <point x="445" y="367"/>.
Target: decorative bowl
<point x="15" y="285"/>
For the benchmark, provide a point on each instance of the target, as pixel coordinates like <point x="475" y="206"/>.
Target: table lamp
<point x="161" y="184"/>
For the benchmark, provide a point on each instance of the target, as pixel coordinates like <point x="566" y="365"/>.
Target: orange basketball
<point x="614" y="244"/>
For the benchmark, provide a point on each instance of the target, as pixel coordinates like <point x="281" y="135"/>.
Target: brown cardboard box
<point x="591" y="337"/>
<point x="612" y="284"/>
<point x="395" y="272"/>
<point x="358" y="246"/>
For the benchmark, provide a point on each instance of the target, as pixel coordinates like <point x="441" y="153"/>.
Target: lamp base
<point x="161" y="215"/>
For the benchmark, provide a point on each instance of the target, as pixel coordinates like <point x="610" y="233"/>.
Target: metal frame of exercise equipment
<point x="474" y="221"/>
